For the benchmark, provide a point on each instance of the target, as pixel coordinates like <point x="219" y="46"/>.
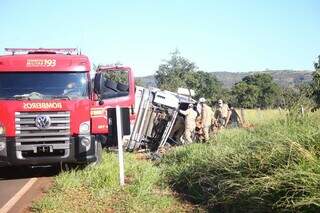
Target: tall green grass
<point x="96" y="189"/>
<point x="274" y="167"/>
<point x="260" y="117"/>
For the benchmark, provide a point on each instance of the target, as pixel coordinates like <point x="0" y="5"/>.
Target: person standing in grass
<point x="221" y="112"/>
<point x="206" y="118"/>
<point x="233" y="118"/>
<point x="178" y="129"/>
<point x="190" y="122"/>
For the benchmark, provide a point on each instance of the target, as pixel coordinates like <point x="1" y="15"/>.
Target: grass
<point x="260" y="117"/>
<point x="274" y="167"/>
<point x="96" y="189"/>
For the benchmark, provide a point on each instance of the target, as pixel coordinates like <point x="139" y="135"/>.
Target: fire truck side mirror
<point x="98" y="83"/>
<point x="101" y="102"/>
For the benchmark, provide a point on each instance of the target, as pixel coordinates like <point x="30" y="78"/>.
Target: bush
<point x="275" y="167"/>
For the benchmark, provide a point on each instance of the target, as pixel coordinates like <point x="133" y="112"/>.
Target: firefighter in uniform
<point x="221" y="113"/>
<point x="178" y="129"/>
<point x="190" y="122"/>
<point x="206" y="117"/>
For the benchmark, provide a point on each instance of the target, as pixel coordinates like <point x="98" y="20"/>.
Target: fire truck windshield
<point x="63" y="85"/>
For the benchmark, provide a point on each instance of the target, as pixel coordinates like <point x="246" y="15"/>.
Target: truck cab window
<point x="116" y="84"/>
<point x="44" y="85"/>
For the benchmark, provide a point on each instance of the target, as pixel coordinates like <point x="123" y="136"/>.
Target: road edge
<point x="6" y="208"/>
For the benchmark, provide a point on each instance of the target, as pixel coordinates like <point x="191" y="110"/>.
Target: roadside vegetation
<point x="273" y="167"/>
<point x="96" y="189"/>
<point x="254" y="117"/>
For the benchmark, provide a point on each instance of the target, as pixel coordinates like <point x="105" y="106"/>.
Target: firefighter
<point x="190" y="122"/>
<point x="233" y="119"/>
<point x="206" y="116"/>
<point x="221" y="113"/>
<point x="178" y="129"/>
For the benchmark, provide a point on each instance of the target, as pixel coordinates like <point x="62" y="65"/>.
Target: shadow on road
<point x="7" y="173"/>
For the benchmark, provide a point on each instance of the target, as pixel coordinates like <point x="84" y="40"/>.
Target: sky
<point x="237" y="36"/>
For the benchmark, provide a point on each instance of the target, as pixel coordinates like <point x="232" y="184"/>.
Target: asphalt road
<point x="13" y="180"/>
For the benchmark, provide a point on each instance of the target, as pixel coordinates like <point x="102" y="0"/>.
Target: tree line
<point x="258" y="90"/>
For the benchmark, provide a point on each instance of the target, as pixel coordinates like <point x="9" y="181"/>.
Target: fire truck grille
<point x="57" y="132"/>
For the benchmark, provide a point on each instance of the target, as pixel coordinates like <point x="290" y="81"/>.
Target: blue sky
<point x="217" y="35"/>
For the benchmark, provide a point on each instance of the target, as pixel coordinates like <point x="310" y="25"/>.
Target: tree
<point x="246" y="95"/>
<point x="205" y="84"/>
<point x="288" y="97"/>
<point x="258" y="90"/>
<point x="181" y="72"/>
<point x="316" y="82"/>
<point x="119" y="76"/>
<point x="227" y="96"/>
<point x="268" y="90"/>
<point x="173" y="73"/>
<point x="138" y="82"/>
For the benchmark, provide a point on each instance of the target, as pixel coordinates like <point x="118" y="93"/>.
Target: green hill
<point x="285" y="78"/>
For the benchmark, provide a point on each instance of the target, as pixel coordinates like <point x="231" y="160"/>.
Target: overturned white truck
<point x="156" y="116"/>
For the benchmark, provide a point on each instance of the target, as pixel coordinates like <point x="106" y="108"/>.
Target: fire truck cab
<point x="50" y="111"/>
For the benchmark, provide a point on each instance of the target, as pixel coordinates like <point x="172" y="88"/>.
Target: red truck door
<point x="112" y="86"/>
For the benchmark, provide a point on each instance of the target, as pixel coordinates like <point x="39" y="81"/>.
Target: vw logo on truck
<point x="43" y="121"/>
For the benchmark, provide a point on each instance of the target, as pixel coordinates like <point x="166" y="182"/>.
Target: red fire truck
<point x="50" y="109"/>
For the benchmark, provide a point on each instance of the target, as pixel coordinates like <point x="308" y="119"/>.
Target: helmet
<point x="220" y="101"/>
<point x="202" y="100"/>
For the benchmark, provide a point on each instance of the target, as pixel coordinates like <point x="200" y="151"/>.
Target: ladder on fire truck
<point x="67" y="51"/>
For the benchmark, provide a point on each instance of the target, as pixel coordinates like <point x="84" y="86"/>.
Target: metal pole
<point x="242" y="115"/>
<point x="120" y="145"/>
<point x="302" y="111"/>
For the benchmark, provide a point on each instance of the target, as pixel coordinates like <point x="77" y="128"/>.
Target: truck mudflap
<point x="43" y="154"/>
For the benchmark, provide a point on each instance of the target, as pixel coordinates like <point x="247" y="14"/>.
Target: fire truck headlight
<point x="84" y="128"/>
<point x="86" y="142"/>
<point x="2" y="130"/>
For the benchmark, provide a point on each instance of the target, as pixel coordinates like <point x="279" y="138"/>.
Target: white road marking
<point x="6" y="208"/>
